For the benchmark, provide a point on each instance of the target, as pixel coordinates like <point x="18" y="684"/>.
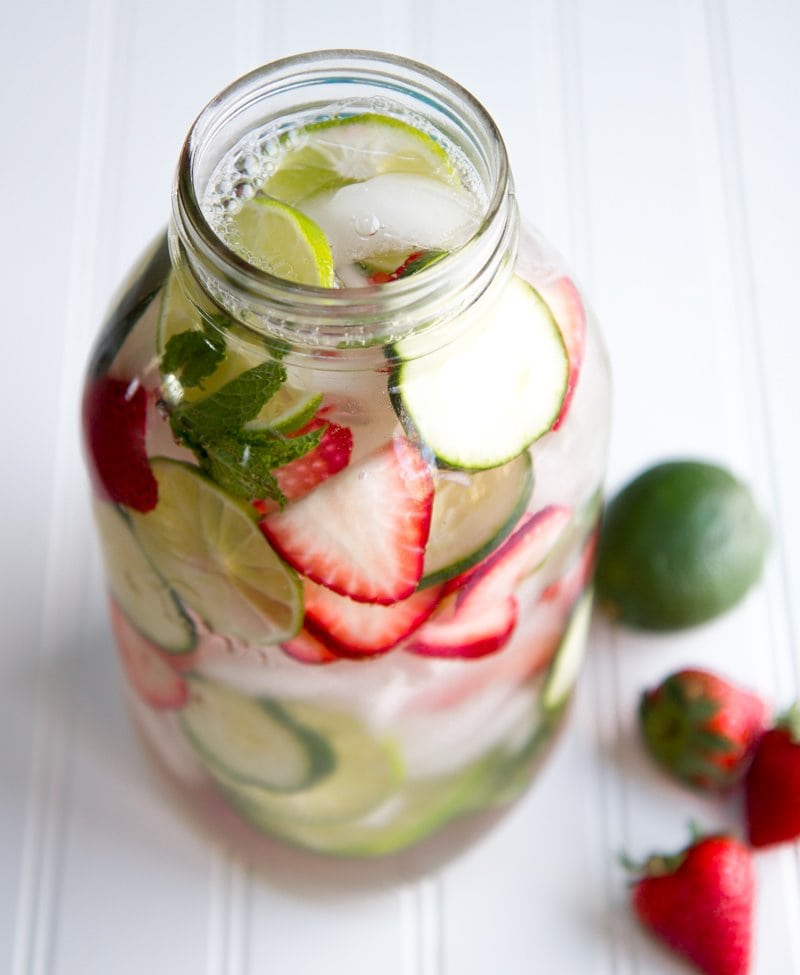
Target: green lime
<point x="277" y="238"/>
<point x="333" y="153"/>
<point x="680" y="544"/>
<point x="209" y="549"/>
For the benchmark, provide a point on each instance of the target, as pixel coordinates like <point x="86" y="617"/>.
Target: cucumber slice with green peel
<point x="209" y="548"/>
<point x="567" y="661"/>
<point x="138" y="588"/>
<point x="489" y="393"/>
<point x="472" y="515"/>
<point x="286" y="411"/>
<point x="366" y="772"/>
<point x="253" y="741"/>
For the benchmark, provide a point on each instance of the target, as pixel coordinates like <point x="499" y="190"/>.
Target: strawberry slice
<point x="152" y="672"/>
<point x="479" y="618"/>
<point x="363" y="532"/>
<point x="114" y="420"/>
<point x="564" y="301"/>
<point x="307" y="649"/>
<point x="354" y="629"/>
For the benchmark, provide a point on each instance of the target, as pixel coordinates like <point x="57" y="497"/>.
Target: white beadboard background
<point x="657" y="144"/>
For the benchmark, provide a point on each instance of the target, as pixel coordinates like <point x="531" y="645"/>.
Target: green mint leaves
<point x="194" y="355"/>
<point x="241" y="460"/>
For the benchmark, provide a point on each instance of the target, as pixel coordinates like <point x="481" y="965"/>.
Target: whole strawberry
<point x="772" y="786"/>
<point x="702" y="728"/>
<point x="699" y="902"/>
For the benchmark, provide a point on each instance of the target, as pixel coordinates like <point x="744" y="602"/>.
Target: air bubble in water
<point x="248" y="164"/>
<point x="244" y="190"/>
<point x="366" y="225"/>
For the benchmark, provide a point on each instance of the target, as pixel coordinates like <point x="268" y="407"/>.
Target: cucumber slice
<point x="252" y="741"/>
<point x="210" y="549"/>
<point x="367" y="772"/>
<point x="472" y="515"/>
<point x="485" y="396"/>
<point x="140" y="591"/>
<point x="566" y="664"/>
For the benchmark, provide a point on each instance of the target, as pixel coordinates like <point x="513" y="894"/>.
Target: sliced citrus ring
<point x="366" y="772"/>
<point x="209" y="548"/>
<point x="289" y="409"/>
<point x="335" y="152"/>
<point x="252" y="741"/>
<point x="472" y="515"/>
<point x="139" y="590"/>
<point x="567" y="661"/>
<point x="277" y="238"/>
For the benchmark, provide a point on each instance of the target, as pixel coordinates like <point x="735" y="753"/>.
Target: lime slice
<point x="333" y="153"/>
<point x="277" y="238"/>
<point x="288" y="409"/>
<point x="366" y="772"/>
<point x="472" y="515"/>
<point x="211" y="551"/>
<point x="140" y="591"/>
<point x="252" y="740"/>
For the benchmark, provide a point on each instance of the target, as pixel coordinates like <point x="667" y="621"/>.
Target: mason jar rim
<point x="265" y="301"/>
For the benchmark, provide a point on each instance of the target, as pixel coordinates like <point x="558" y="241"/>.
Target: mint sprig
<point x="242" y="461"/>
<point x="195" y="354"/>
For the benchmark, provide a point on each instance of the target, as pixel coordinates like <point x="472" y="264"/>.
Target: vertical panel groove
<point x="67" y="557"/>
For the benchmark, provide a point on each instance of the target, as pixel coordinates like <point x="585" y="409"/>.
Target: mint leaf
<point x="228" y="409"/>
<point x="193" y="355"/>
<point x="244" y="464"/>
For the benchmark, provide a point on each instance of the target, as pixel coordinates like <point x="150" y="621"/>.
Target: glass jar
<point x="349" y="526"/>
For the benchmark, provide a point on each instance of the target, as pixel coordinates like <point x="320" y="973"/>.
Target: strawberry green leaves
<point x="241" y="460"/>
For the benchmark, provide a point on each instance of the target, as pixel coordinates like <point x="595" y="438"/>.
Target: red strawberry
<point x="353" y="629"/>
<point x="564" y="301"/>
<point x="702" y="728"/>
<point x="114" y="417"/>
<point x="772" y="786"/>
<point x="307" y="649"/>
<point x="300" y="476"/>
<point x="363" y="532"/>
<point x="479" y="617"/>
<point x="152" y="672"/>
<point x="700" y="903"/>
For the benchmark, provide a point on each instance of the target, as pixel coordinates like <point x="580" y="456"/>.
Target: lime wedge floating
<point x="514" y="351"/>
<point x="211" y="551"/>
<point x="472" y="515"/>
<point x="250" y="740"/>
<point x="566" y="664"/>
<point x="333" y="153"/>
<point x="140" y="591"/>
<point x="366" y="771"/>
<point x="288" y="409"/>
<point x="277" y="238"/>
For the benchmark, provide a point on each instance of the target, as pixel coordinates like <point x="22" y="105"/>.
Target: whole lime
<point x="680" y="544"/>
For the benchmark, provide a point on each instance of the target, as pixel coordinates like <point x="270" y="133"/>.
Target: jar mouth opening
<point x="282" y="89"/>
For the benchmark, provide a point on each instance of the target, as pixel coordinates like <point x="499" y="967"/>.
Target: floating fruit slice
<point x="139" y="590"/>
<point x="209" y="547"/>
<point x="472" y="515"/>
<point x="350" y="149"/>
<point x="115" y="417"/>
<point x="354" y="629"/>
<point x="564" y="301"/>
<point x="279" y="239"/>
<point x="567" y="661"/>
<point x="365" y="772"/>
<point x="479" y="618"/>
<point x="308" y="649"/>
<point x="253" y="741"/>
<point x="151" y="671"/>
<point x="362" y="533"/>
<point x="515" y="352"/>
